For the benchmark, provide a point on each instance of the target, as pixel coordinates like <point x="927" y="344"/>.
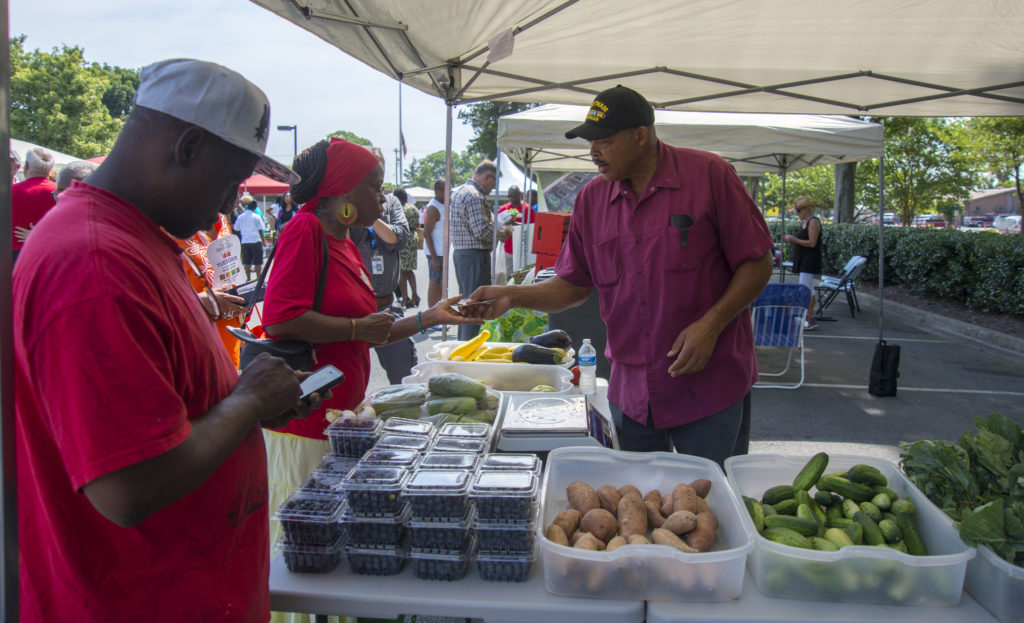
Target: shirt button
<point x="643" y="302"/>
<point x="638" y="238"/>
<point x="639" y="270"/>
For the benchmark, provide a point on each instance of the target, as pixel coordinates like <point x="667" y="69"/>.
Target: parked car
<point x="1007" y="223"/>
<point x="930" y="220"/>
<point x="973" y="222"/>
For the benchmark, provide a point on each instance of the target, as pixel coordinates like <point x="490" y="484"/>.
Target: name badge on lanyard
<point x="376" y="260"/>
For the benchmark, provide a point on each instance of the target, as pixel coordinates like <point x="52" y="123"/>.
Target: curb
<point x="986" y="339"/>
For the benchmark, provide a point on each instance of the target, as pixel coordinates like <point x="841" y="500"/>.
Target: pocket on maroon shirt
<point x="701" y="239"/>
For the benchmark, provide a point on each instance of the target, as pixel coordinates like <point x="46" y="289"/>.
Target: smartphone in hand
<point x="321" y="381"/>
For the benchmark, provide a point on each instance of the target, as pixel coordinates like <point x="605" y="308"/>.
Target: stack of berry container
<point x="376" y="518"/>
<point x="416" y="443"/>
<point x="404" y="426"/>
<point x="352" y="437"/>
<point x="506" y="506"/>
<point x="313" y="535"/>
<point x="441" y="524"/>
<point x="450" y="460"/>
<point x="391" y="457"/>
<point x="512" y="462"/>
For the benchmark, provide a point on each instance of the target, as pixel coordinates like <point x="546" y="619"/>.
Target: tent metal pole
<point x="881" y="245"/>
<point x="495" y="256"/>
<point x="782" y="234"/>
<point x="447" y="210"/>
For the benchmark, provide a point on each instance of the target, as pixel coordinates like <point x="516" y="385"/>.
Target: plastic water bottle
<point x="588" y="367"/>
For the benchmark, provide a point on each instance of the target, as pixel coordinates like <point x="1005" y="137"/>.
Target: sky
<point x="310" y="83"/>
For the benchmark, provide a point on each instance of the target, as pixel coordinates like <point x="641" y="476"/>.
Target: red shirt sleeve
<point x="291" y="286"/>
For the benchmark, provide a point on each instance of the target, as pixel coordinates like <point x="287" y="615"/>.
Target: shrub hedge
<point x="983" y="270"/>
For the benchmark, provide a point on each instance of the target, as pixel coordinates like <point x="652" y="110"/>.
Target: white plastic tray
<point x="650" y="572"/>
<point x="502" y="377"/>
<point x="442" y="350"/>
<point x="859" y="574"/>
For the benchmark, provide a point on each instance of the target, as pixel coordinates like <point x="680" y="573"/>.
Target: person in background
<point x="678" y="251"/>
<point x="472" y="231"/>
<point x="433" y="242"/>
<point x="407" y="263"/>
<point x="249" y="227"/>
<point x="341" y="189"/>
<point x="142" y="482"/>
<point x="15" y="166"/>
<point x="807" y="252"/>
<point x="381" y="247"/>
<point x="288" y="209"/>
<point x="531" y="198"/>
<point x="72" y="172"/>
<point x="31" y="198"/>
<point x="523" y="215"/>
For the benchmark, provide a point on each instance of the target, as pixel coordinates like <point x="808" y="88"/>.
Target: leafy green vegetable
<point x="979" y="482"/>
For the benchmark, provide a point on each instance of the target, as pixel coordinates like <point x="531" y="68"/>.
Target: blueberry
<point x="365" y="562"/>
<point x="505" y="539"/>
<point x="504" y="570"/>
<point x="310" y="519"/>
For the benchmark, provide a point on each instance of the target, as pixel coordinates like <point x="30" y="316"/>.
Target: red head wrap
<point x="347" y="165"/>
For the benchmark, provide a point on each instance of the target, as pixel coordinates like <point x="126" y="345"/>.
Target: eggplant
<point x="555" y="338"/>
<point x="532" y="353"/>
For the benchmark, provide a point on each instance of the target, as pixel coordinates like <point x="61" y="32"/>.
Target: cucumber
<point x="777" y="494"/>
<point x="902" y="505"/>
<point x="785" y="536"/>
<point x="866" y="475"/>
<point x="769" y="510"/>
<point x="785" y="507"/>
<point x="849" y="508"/>
<point x="825" y="498"/>
<point x="411" y="413"/>
<point x="890" y="531"/>
<point x="756" y="513"/>
<point x="899" y="546"/>
<point x="397" y="396"/>
<point x="911" y="537"/>
<point x="834" y="512"/>
<point x="804" y="527"/>
<point x="871" y="511"/>
<point x="457" y="405"/>
<point x="839" y="538"/>
<point x="489" y="401"/>
<point x="872" y="535"/>
<point x="823" y="545"/>
<point x="876" y="489"/>
<point x="855" y="532"/>
<point x="845" y="488"/>
<point x="882" y="501"/>
<point x="455" y="384"/>
<point x="811" y="472"/>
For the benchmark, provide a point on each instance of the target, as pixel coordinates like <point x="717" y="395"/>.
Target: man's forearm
<point x="551" y="295"/>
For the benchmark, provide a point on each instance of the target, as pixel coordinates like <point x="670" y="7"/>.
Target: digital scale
<point x="539" y="423"/>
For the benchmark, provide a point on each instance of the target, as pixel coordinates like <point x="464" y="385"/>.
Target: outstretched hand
<point x="443" y="313"/>
<point x="500" y="302"/>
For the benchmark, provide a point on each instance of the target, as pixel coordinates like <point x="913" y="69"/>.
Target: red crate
<point x="549" y="232"/>
<point x="546" y="260"/>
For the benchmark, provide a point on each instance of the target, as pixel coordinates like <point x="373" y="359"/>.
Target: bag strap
<point x="321" y="283"/>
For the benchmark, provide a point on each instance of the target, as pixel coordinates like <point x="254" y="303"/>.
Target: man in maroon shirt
<point x="32" y="198"/>
<point x="677" y="250"/>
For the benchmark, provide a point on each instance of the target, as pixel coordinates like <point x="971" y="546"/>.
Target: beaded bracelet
<point x="419" y="322"/>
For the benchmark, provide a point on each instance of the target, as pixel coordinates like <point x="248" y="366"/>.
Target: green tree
<point x="423" y="171"/>
<point x="997" y="145"/>
<point x="483" y="118"/>
<point x="818" y="183"/>
<point x="62" y="102"/>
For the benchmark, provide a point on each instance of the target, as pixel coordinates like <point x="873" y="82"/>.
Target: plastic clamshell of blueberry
<point x="391" y="457"/>
<point x="465" y="430"/>
<point x="407" y="442"/>
<point x="455" y="444"/>
<point x="449" y="460"/>
<point x="405" y="426"/>
<point x="439" y="493"/>
<point x="310" y="518"/>
<point x="303" y="558"/>
<point x="515" y="462"/>
<point x="505" y="496"/>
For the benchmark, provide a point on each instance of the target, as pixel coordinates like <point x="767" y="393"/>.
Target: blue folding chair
<point x="778" y="321"/>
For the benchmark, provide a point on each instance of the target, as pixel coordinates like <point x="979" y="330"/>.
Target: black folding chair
<point x="830" y="287"/>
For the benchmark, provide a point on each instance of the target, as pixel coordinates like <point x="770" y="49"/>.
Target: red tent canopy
<point x="263" y="185"/>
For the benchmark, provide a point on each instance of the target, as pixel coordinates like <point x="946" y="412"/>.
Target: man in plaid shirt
<point x="472" y="230"/>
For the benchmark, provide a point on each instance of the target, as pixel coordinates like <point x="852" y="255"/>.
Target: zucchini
<point x="777" y="494"/>
<point x="866" y="475"/>
<point x="811" y="472"/>
<point x="452" y="384"/>
<point x="902" y="505"/>
<point x="871" y="511"/>
<point x="911" y="537"/>
<point x="469" y="347"/>
<point x="890" y="531"/>
<point x="804" y="527"/>
<point x="785" y="536"/>
<point x="845" y="488"/>
<point x="872" y="535"/>
<point x="756" y="513"/>
<point x="839" y="538"/>
<point x="785" y="507"/>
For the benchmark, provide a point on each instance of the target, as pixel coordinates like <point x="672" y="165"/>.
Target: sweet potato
<point x="631" y="490"/>
<point x="615" y="543"/>
<point x="568" y="520"/>
<point x="632" y="515"/>
<point x="638" y="539"/>
<point x="609" y="498"/>
<point x="576" y="536"/>
<point x="661" y="536"/>
<point x="666" y="506"/>
<point x="684" y="498"/>
<point x="600" y="523"/>
<point x="654" y="496"/>
<point x="582" y="497"/>
<point x="701" y="486"/>
<point x="589" y="541"/>
<point x="680" y="522"/>
<point x="556" y="535"/>
<point x="654" y="517"/>
<point x="702" y="538"/>
<point x="702" y="506"/>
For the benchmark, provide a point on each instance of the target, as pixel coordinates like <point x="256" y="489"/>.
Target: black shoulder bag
<point x="298" y="354"/>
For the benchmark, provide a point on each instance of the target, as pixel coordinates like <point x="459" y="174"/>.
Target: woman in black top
<point x="288" y="209"/>
<point x="807" y="251"/>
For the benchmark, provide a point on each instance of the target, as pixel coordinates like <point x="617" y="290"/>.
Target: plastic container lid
<point x="353" y="427"/>
<point x="391" y="457"/>
<point x="334" y="464"/>
<point x="460" y="555"/>
<point x="449" y="460"/>
<point x="284" y="544"/>
<point x="438" y="482"/>
<point x="433" y="523"/>
<point x="311" y="508"/>
<point x="516" y="462"/>
<point x="505" y="484"/>
<point x="399" y="518"/>
<point x="456" y="444"/>
<point x="404" y="426"/>
<point x="364" y="477"/>
<point x="465" y="430"/>
<point x="325" y="483"/>
<point x="404" y="442"/>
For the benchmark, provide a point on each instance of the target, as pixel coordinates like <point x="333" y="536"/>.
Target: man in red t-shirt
<point x="33" y="198"/>
<point x="142" y="482"/>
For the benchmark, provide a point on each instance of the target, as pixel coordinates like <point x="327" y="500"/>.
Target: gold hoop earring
<point x="347" y="213"/>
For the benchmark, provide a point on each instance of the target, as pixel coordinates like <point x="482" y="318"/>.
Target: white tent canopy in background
<point x="878" y="57"/>
<point x="418" y="193"/>
<point x="754" y="143"/>
<point x="59" y="159"/>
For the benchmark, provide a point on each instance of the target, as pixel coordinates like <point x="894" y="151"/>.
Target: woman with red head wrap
<point x="340" y="188"/>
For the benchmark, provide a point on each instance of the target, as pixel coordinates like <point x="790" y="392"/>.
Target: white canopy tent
<point x="753" y="143"/>
<point x="59" y="159"/>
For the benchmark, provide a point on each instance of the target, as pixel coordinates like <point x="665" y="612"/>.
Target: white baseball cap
<point x="217" y="99"/>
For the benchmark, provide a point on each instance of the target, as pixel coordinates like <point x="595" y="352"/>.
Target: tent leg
<point x="447" y="211"/>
